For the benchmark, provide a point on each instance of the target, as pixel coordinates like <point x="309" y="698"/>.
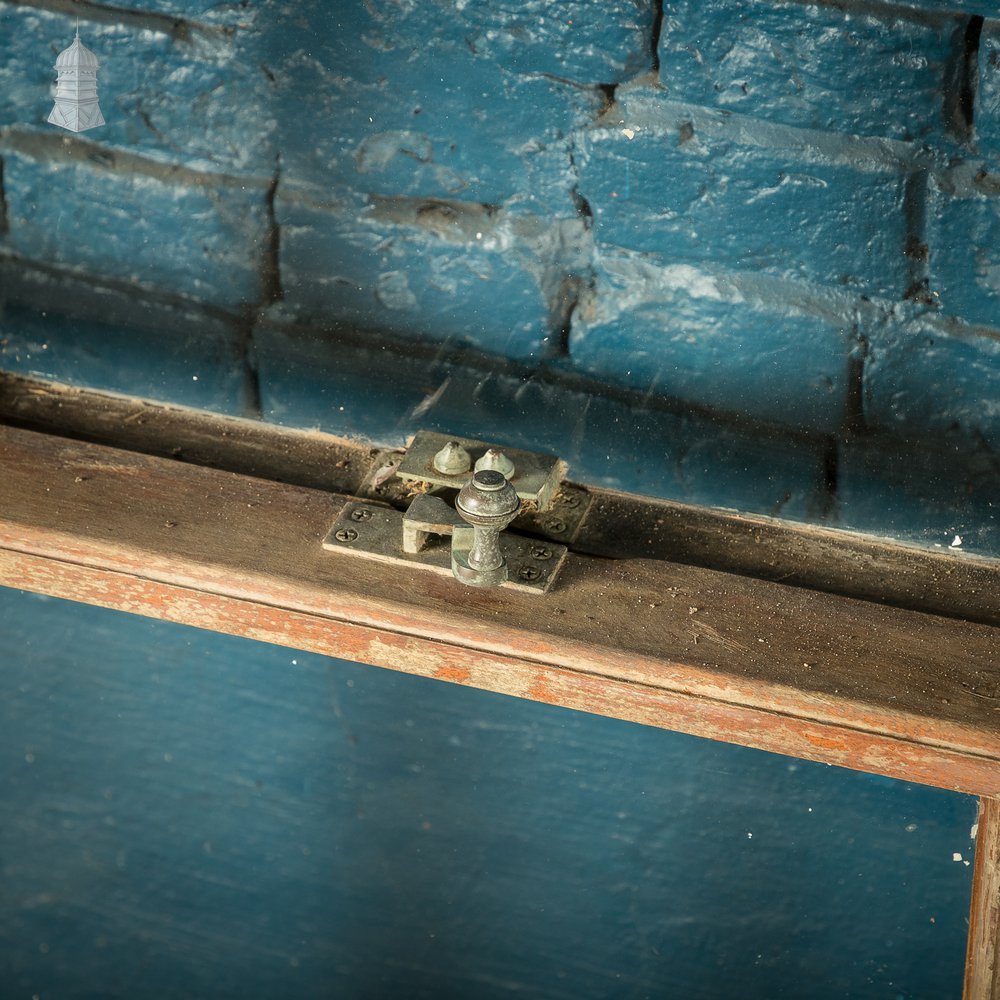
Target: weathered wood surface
<point x="253" y="448"/>
<point x="817" y="676"/>
<point x="982" y="967"/>
<point x="956" y="584"/>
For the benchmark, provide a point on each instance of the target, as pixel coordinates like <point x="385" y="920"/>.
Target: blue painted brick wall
<point x="683" y="196"/>
<point x="201" y="238"/>
<point x="172" y="96"/>
<point x="910" y="362"/>
<point x="195" y="361"/>
<point x="858" y="71"/>
<point x="988" y="95"/>
<point x="458" y="102"/>
<point x="754" y="217"/>
<point x="690" y="335"/>
<point x="453" y="273"/>
<point x="964" y="240"/>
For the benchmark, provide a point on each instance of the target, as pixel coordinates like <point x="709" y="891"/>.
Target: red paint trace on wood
<point x="982" y="967"/>
<point x="797" y="672"/>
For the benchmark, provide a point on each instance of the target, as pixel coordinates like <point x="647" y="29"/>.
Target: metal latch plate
<point x="536" y="476"/>
<point x="374" y="532"/>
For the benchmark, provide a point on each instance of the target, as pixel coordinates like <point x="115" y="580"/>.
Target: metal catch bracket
<point x="382" y="533"/>
<point x="437" y="460"/>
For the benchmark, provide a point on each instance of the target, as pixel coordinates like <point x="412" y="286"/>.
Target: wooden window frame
<point x="882" y="657"/>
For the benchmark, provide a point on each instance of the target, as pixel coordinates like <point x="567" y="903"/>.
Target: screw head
<point x="540" y="552"/>
<point x="529" y="573"/>
<point x="452" y="460"/>
<point x="570" y="500"/>
<point x="489" y="479"/>
<point x="556" y="526"/>
<point x="346" y="535"/>
<point x="497" y="461"/>
<point x="361" y="514"/>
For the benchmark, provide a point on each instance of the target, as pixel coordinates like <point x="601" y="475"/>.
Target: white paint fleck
<point x="955" y="542"/>
<point x="692" y="281"/>
<point x="392" y="290"/>
<point x="956" y="856"/>
<point x="430" y="400"/>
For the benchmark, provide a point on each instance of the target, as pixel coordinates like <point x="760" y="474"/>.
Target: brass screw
<point x="529" y="573"/>
<point x="452" y="460"/>
<point x="361" y="514"/>
<point x="346" y="535"/>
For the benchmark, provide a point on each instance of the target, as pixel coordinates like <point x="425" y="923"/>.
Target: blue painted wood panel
<point x="185" y="814"/>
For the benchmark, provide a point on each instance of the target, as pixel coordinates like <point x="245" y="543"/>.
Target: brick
<point x="809" y="65"/>
<point x="735" y="468"/>
<point x="207" y="113"/>
<point x="402" y="105"/>
<point x="175" y="102"/>
<point x="919" y="381"/>
<point x="199" y="11"/>
<point x="339" y="382"/>
<point x="192" y="361"/>
<point x="982" y="8"/>
<point x="686" y="197"/>
<point x="456" y="146"/>
<point x="201" y="240"/>
<point x="987" y="106"/>
<point x="964" y="242"/>
<point x="577" y="40"/>
<point x="334" y="90"/>
<point x="341" y="385"/>
<point x="684" y="334"/>
<point x="922" y="495"/>
<point x="350" y="388"/>
<point x="463" y="292"/>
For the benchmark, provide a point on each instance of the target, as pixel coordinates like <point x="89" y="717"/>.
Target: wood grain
<point x="945" y="582"/>
<point x="982" y="967"/>
<point x="617" y="525"/>
<point x="306" y="458"/>
<point x="822" y="677"/>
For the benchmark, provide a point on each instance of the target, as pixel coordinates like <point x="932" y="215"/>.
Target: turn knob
<point x="489" y="503"/>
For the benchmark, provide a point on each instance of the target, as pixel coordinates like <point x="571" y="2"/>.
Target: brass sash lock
<point x="497" y="488"/>
<point x="489" y="503"/>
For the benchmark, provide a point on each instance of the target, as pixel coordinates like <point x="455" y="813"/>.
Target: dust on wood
<point x="821" y="676"/>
